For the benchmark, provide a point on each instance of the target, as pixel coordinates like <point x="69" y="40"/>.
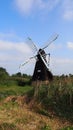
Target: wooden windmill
<point x="41" y="70"/>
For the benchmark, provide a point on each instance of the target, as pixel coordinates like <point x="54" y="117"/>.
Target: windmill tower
<point x="41" y="71"/>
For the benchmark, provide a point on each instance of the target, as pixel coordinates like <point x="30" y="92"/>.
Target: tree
<point x="3" y="74"/>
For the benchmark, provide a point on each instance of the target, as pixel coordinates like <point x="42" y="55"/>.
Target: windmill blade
<point x="32" y="45"/>
<point x="52" y="39"/>
<point x="27" y="61"/>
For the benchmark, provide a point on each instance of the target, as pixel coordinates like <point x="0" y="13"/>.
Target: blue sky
<point x="38" y="19"/>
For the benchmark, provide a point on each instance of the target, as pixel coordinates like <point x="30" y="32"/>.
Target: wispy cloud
<point x="45" y="6"/>
<point x="70" y="45"/>
<point x="24" y="6"/>
<point x="67" y="7"/>
<point x="4" y="35"/>
<point x="20" y="47"/>
<point x="27" y="7"/>
<point x="12" y="36"/>
<point x="61" y="65"/>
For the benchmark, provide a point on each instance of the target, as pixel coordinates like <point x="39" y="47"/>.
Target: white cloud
<point x="61" y="65"/>
<point x="8" y="35"/>
<point x="26" y="7"/>
<point x="12" y="54"/>
<point x="67" y="9"/>
<point x="70" y="45"/>
<point x="20" y="47"/>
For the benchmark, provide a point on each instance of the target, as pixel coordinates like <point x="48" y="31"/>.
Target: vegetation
<point x="8" y="126"/>
<point x="54" y="102"/>
<point x="58" y="96"/>
<point x="16" y="84"/>
<point x="67" y="128"/>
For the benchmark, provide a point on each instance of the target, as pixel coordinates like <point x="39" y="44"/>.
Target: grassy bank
<point x="16" y="117"/>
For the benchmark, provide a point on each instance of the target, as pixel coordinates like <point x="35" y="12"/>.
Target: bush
<point x="3" y="74"/>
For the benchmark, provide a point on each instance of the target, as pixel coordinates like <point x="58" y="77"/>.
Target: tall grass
<point x="57" y="96"/>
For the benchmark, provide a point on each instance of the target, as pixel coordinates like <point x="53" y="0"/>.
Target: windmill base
<point x="39" y="82"/>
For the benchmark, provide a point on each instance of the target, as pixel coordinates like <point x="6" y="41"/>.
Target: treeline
<point x="23" y="79"/>
<point x="4" y="75"/>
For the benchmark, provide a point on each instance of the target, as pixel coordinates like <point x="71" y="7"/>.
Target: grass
<point x="67" y="128"/>
<point x="15" y="117"/>
<point x="8" y="126"/>
<point x="46" y="127"/>
<point x="13" y="90"/>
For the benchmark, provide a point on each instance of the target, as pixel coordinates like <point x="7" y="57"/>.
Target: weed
<point x="8" y="126"/>
<point x="46" y="127"/>
<point x="43" y="112"/>
<point x="22" y="120"/>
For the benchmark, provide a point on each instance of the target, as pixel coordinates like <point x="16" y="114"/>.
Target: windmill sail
<point x="27" y="61"/>
<point x="31" y="45"/>
<point x="52" y="39"/>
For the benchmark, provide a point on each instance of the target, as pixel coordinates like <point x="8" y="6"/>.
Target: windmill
<point x="41" y="70"/>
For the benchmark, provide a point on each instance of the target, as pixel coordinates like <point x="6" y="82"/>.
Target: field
<point x="50" y="109"/>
